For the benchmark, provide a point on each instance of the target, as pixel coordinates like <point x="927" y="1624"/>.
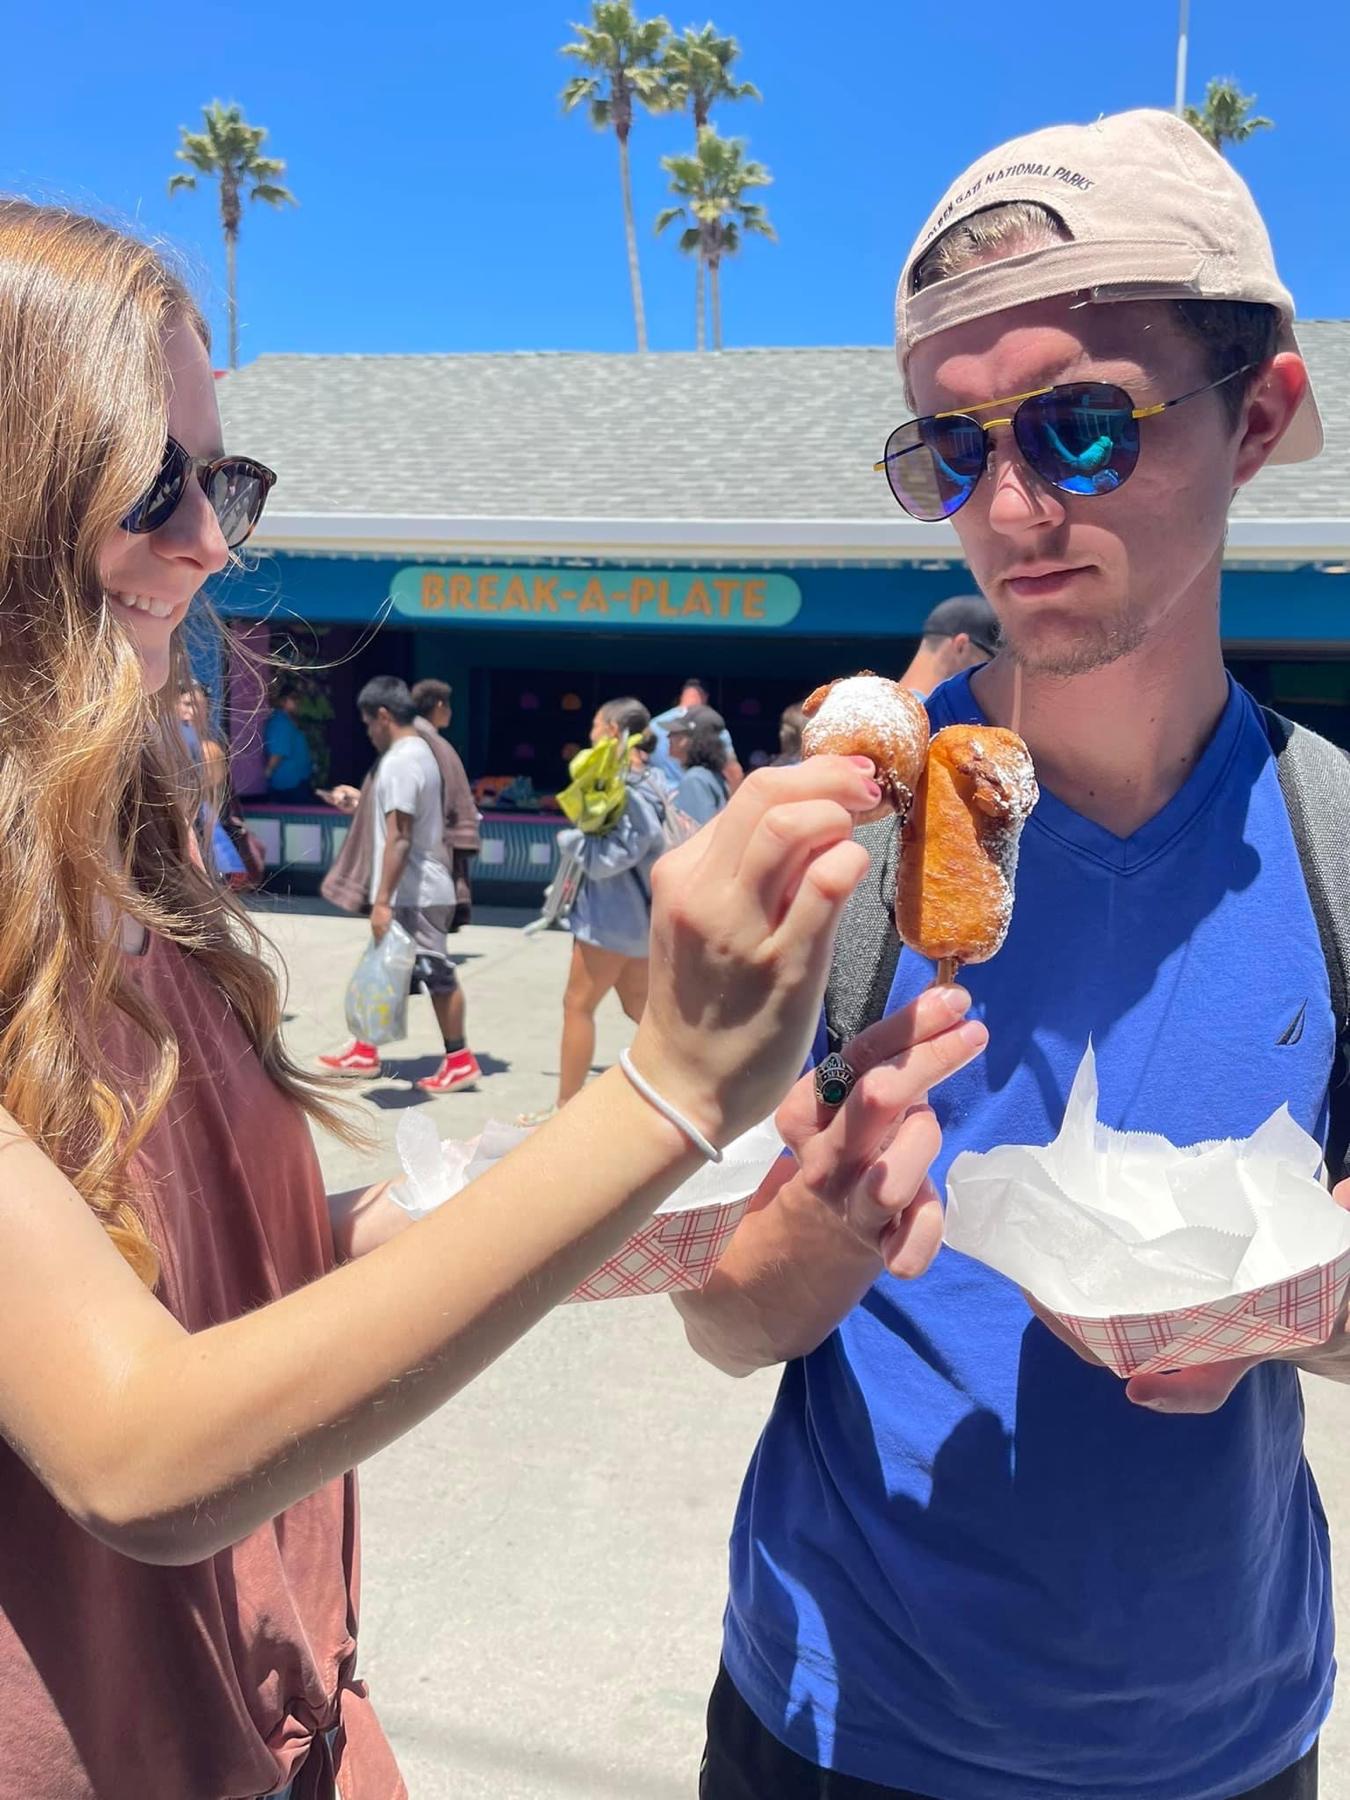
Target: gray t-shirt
<point x="408" y="781"/>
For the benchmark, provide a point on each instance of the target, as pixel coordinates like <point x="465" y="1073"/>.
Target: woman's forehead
<point x="194" y="416"/>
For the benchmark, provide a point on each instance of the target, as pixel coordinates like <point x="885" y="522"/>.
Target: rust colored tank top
<point x="121" y="1680"/>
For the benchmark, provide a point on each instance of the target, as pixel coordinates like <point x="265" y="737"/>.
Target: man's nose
<point x="1019" y="498"/>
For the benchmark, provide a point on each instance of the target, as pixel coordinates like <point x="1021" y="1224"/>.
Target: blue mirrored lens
<point x="933" y="464"/>
<point x="1082" y="438"/>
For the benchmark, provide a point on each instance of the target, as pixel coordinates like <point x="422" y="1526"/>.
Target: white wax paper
<point x="1102" y="1223"/>
<point x="434" y="1171"/>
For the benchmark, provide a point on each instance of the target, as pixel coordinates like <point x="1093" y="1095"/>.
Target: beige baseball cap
<point x="1152" y="212"/>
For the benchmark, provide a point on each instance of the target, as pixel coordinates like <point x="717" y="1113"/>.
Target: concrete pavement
<point x="544" y="1560"/>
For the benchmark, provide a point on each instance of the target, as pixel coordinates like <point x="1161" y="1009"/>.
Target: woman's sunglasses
<point x="235" y="486"/>
<point x="1082" y="438"/>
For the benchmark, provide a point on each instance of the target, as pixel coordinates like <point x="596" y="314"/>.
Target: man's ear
<point x="1276" y="395"/>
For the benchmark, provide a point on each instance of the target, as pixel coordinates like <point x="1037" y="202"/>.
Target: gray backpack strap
<point x="1315" y="781"/>
<point x="867" y="947"/>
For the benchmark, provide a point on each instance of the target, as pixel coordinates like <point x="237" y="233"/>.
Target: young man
<point x="967" y="1565"/>
<point x="409" y="876"/>
<point x="693" y="693"/>
<point x="959" y="633"/>
<point x="462" y="840"/>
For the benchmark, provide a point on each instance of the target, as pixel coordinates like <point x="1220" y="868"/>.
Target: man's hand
<point x="345" y="799"/>
<point x="381" y="918"/>
<point x="867" y="1161"/>
<point x="1204" y="1389"/>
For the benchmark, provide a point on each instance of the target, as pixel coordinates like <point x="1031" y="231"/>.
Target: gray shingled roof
<point x="744" y="434"/>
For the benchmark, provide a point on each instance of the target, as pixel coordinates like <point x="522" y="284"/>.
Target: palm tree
<point x="231" y="150"/>
<point x="698" y="72"/>
<point x="712" y="181"/>
<point x="1225" y="116"/>
<point x="622" y="56"/>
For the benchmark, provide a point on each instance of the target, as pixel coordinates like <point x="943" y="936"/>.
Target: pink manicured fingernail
<point x="873" y="790"/>
<point x="863" y="762"/>
<point x="956" y="1000"/>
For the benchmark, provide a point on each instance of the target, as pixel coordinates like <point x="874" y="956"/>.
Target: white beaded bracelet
<point x="663" y="1106"/>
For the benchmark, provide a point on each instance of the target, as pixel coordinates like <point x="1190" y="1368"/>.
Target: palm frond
<point x="712" y="183"/>
<point x="229" y="148"/>
<point x="623" y="56"/>
<point x="580" y="88"/>
<point x="1226" y="115"/>
<point x="698" y="71"/>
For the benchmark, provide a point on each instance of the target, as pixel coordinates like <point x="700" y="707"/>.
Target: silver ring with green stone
<point x="835" y="1080"/>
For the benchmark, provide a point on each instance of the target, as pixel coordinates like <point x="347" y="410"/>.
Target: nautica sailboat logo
<point x="1293" y="1031"/>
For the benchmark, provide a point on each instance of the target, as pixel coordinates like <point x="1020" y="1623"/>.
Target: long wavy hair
<point x="96" y="792"/>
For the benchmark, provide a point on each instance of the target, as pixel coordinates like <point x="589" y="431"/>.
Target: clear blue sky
<point x="447" y="204"/>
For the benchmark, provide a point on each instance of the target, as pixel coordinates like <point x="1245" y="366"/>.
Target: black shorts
<point x="743" y="1761"/>
<point x="433" y="975"/>
<point x="433" y="971"/>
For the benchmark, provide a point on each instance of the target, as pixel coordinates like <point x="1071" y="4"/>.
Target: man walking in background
<point x="692" y="694"/>
<point x="409" y="877"/>
<point x="462" y="842"/>
<point x="957" y="634"/>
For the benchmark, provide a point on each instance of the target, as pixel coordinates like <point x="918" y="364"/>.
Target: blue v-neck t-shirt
<point x="963" y="1562"/>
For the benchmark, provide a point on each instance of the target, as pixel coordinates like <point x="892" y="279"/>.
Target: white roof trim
<point x="415" y="536"/>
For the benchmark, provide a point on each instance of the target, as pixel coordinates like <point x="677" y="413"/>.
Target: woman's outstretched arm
<point x="170" y="1445"/>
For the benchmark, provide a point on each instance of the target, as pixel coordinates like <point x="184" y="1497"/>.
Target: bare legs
<point x="449" y="1010"/>
<point x="593" y="974"/>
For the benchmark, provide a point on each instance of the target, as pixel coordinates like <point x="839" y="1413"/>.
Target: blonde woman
<point x="197" y="1345"/>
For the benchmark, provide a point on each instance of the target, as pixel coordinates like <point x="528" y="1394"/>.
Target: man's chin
<point x="1063" y="656"/>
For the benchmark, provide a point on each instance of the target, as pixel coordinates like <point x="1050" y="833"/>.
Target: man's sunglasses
<point x="1082" y="438"/>
<point x="236" y="487"/>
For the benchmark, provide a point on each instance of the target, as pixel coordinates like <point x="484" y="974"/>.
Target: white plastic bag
<point x="377" y="994"/>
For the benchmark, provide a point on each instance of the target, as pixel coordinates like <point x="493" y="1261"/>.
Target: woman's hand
<point x="743" y="924"/>
<point x="868" y="1160"/>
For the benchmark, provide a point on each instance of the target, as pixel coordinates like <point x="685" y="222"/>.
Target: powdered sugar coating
<point x="1005" y="784"/>
<point x="871" y="716"/>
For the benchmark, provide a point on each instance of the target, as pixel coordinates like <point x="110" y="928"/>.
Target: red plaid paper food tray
<point x="1287" y="1315"/>
<point x="675" y="1250"/>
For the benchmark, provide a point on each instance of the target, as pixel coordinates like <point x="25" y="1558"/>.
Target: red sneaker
<point x="457" y="1071"/>
<point x="356" y="1059"/>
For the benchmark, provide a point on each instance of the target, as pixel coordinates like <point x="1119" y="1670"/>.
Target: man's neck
<point x="402" y="731"/>
<point x="1117" y="744"/>
<point x="925" y="672"/>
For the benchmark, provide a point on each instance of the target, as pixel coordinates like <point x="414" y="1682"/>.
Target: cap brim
<point x="1304" y="439"/>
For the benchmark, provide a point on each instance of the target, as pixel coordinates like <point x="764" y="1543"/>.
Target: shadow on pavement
<point x="315" y="906"/>
<point x="413" y="1069"/>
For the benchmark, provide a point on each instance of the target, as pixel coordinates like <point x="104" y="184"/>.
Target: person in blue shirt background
<point x="697" y="740"/>
<point x="967" y="1564"/>
<point x="693" y="693"/>
<point x="290" y="762"/>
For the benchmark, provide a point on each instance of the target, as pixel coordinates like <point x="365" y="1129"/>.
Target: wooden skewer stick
<point x="947" y="969"/>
